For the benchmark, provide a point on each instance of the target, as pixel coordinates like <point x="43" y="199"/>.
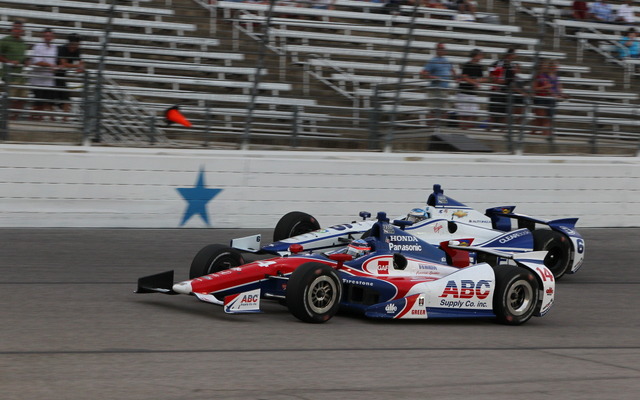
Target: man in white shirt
<point x="44" y="60"/>
<point x="625" y="14"/>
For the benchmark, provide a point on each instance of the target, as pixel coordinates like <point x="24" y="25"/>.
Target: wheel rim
<point x="322" y="294"/>
<point x="222" y="262"/>
<point x="553" y="258"/>
<point x="519" y="298"/>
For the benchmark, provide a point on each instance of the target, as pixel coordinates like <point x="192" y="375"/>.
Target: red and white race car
<point x="389" y="274"/>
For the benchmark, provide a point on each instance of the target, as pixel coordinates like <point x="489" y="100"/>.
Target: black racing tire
<point x="293" y="224"/>
<point x="516" y="295"/>
<point x="314" y="292"/>
<point x="558" y="249"/>
<point x="214" y="258"/>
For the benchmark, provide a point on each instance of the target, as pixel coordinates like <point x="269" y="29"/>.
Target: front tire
<point x="516" y="296"/>
<point x="214" y="258"/>
<point x="293" y="224"/>
<point x="313" y="292"/>
<point x="558" y="250"/>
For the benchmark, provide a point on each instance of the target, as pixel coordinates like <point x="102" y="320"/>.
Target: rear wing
<point x="501" y="219"/>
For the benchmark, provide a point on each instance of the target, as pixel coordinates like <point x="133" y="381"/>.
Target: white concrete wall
<point x="55" y="186"/>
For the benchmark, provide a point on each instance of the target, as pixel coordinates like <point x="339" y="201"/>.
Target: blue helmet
<point x="417" y="215"/>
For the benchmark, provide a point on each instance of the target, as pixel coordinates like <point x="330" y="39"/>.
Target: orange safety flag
<point x="174" y="115"/>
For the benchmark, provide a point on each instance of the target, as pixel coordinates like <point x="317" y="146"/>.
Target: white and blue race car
<point x="443" y="219"/>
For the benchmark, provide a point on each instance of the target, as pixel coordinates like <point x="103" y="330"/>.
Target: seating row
<point x="33" y="30"/>
<point x="124" y="10"/>
<point x="78" y="19"/>
<point x="388" y="20"/>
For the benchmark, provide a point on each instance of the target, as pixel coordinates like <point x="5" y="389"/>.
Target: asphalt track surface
<point x="72" y="328"/>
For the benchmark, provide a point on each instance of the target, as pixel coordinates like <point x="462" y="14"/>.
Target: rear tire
<point x="214" y="258"/>
<point x="293" y="224"/>
<point x="516" y="296"/>
<point x="558" y="250"/>
<point x="313" y="292"/>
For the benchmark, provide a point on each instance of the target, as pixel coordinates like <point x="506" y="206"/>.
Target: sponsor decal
<point x="421" y="301"/>
<point x="265" y="264"/>
<point x="341" y="227"/>
<point x="567" y="230"/>
<point x="460" y="214"/>
<point x="418" y="312"/>
<point x="515" y="235"/>
<point x="398" y="238"/>
<point x="404" y="247"/>
<point x="506" y="211"/>
<point x="550" y="292"/>
<point x="479" y="221"/>
<point x="391" y="308"/>
<point x="386" y="228"/>
<point x="426" y="266"/>
<point x="442" y="199"/>
<point x="383" y="267"/>
<point x="463" y="303"/>
<point x="468" y="289"/>
<point x="355" y="282"/>
<point x="546" y="308"/>
<point x="248" y="301"/>
<point x="437" y="228"/>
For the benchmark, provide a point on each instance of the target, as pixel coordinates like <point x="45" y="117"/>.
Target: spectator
<point x="471" y="76"/>
<point x="600" y="11"/>
<point x="517" y="92"/>
<point x="68" y="60"/>
<point x="392" y="7"/>
<point x="465" y="7"/>
<point x="323" y="4"/>
<point x="625" y="14"/>
<point x="434" y="4"/>
<point x="13" y="54"/>
<point x="499" y="75"/>
<point x="44" y="59"/>
<point x="628" y="46"/>
<point x="580" y="10"/>
<point x="440" y="71"/>
<point x="547" y="90"/>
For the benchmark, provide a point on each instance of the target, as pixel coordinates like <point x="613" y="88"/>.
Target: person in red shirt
<point x="547" y="90"/>
<point x="580" y="10"/>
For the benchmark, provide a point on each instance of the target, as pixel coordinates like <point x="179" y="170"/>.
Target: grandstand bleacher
<point x="320" y="70"/>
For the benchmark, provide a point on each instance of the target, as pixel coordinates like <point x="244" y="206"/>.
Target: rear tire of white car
<point x="313" y="292"/>
<point x="516" y="296"/>
<point x="293" y="224"/>
<point x="214" y="258"/>
<point x="558" y="250"/>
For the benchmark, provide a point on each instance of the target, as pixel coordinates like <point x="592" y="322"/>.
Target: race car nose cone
<point x="182" y="287"/>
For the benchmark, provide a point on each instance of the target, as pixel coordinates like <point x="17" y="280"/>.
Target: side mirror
<point x="340" y="258"/>
<point x="296" y="248"/>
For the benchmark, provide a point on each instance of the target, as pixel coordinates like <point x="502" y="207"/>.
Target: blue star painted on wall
<point x="197" y="198"/>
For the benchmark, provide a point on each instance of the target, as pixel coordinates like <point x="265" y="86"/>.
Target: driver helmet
<point x="417" y="215"/>
<point x="358" y="248"/>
